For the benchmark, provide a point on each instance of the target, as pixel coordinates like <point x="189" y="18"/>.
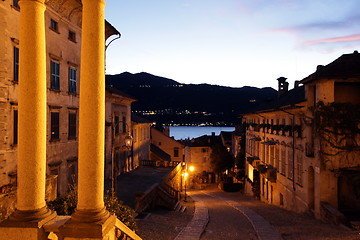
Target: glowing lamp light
<point x="128" y="141"/>
<point x="191" y="168"/>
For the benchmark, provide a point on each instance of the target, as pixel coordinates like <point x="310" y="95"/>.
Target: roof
<point x="138" y="119"/>
<point x="111" y="89"/>
<point x="110" y="30"/>
<point x="160" y="153"/>
<point x="346" y="66"/>
<point x="227" y="136"/>
<point x="205" y="141"/>
<point x="289" y="98"/>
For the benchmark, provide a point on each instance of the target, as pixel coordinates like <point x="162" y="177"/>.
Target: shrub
<point x="66" y="205"/>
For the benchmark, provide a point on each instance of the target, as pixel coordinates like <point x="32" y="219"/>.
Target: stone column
<point x="90" y="206"/>
<point x="31" y="169"/>
<point x="31" y="211"/>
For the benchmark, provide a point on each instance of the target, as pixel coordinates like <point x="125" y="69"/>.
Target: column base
<point x="26" y="224"/>
<point x="89" y="224"/>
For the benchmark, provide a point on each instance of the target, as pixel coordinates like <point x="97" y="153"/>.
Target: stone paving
<point x="197" y="224"/>
<point x="193" y="231"/>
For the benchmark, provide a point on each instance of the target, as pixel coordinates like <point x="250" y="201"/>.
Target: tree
<point x="221" y="159"/>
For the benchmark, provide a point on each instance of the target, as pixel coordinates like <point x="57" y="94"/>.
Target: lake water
<point x="183" y="132"/>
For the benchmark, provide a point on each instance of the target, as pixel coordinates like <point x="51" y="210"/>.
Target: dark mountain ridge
<point x="168" y="100"/>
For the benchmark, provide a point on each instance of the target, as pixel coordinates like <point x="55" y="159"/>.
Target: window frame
<point x="72" y="125"/>
<point x="54" y="126"/>
<point x="54" y="25"/>
<point x="15" y="4"/>
<point x="116" y="125"/>
<point x="16" y="64"/>
<point x="54" y="75"/>
<point x="15" y="126"/>
<point x="72" y="36"/>
<point x="176" y="152"/>
<point x="72" y="80"/>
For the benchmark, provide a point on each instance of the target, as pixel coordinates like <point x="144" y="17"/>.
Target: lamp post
<point x="185" y="175"/>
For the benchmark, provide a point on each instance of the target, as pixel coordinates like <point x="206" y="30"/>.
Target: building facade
<point x="172" y="148"/>
<point x="141" y="139"/>
<point x="63" y="48"/>
<point x="118" y="139"/>
<point x="297" y="160"/>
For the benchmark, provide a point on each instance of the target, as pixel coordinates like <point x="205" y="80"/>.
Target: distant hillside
<point x="170" y="101"/>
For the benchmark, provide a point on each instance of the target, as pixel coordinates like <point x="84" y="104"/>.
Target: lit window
<point x="72" y="80"/>
<point x="55" y="126"/>
<point x="55" y="75"/>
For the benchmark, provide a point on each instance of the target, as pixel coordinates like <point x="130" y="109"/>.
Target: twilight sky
<point x="231" y="42"/>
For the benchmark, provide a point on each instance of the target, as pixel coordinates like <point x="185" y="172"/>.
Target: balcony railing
<point x="284" y="130"/>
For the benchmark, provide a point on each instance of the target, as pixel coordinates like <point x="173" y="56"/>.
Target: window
<point x="116" y="122"/>
<point x="283" y="160"/>
<point x="299" y="169"/>
<point x="16" y="64"/>
<point x="55" y="126"/>
<point x="72" y="36"/>
<point x="176" y="152"/>
<point x="290" y="164"/>
<point x="124" y="125"/>
<point x="15" y="139"/>
<point x="277" y="157"/>
<point x="16" y="4"/>
<point x="53" y="25"/>
<point x="72" y="125"/>
<point x="55" y="75"/>
<point x="272" y="155"/>
<point x="72" y="80"/>
<point x="204" y="150"/>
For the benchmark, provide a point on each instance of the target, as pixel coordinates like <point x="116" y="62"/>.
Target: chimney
<point x="283" y="86"/>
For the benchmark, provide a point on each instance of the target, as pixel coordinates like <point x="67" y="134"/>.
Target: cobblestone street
<point x="235" y="216"/>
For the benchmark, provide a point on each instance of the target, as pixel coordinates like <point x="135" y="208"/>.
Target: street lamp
<point x="185" y="174"/>
<point x="128" y="141"/>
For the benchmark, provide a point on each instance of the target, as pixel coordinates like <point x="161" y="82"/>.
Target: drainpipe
<point x="293" y="155"/>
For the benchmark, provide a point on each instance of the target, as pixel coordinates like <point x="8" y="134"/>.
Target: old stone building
<point x="118" y="139"/>
<point x="303" y="148"/>
<point x="164" y="149"/>
<point x="141" y="140"/>
<point x="63" y="44"/>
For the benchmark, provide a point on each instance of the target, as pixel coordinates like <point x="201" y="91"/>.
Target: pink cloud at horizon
<point x="350" y="38"/>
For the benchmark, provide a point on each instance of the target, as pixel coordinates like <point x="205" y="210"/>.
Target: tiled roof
<point x="346" y="66"/>
<point x="289" y="98"/>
